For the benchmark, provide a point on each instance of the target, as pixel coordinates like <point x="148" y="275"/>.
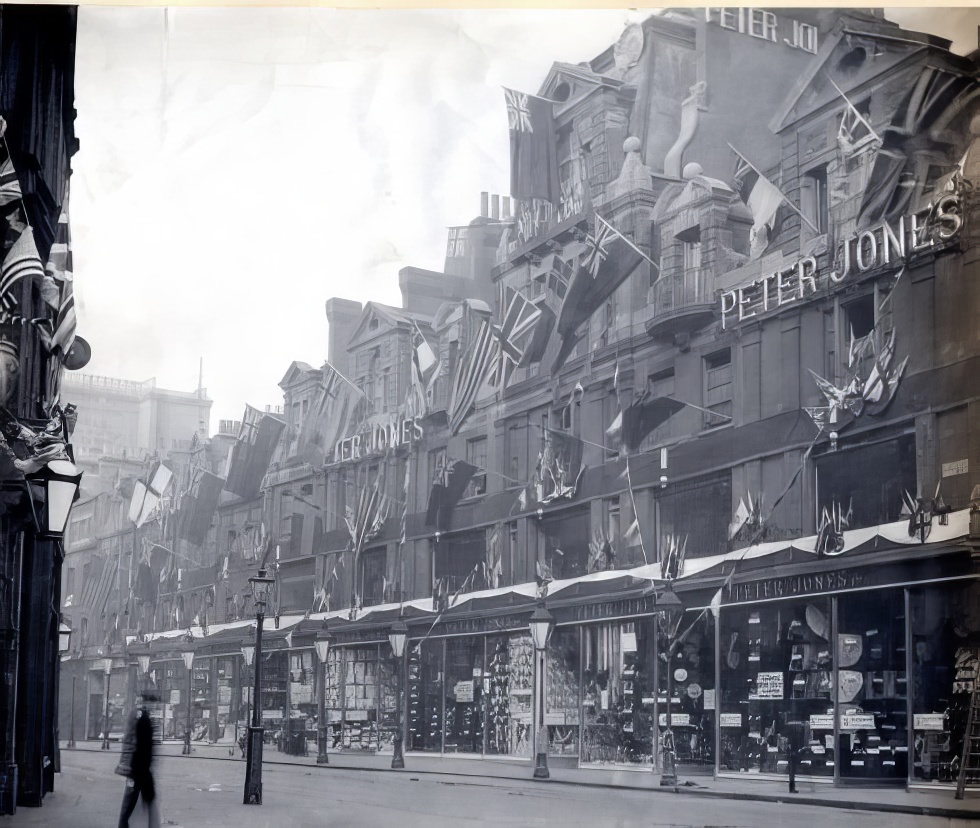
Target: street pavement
<point x="206" y="789"/>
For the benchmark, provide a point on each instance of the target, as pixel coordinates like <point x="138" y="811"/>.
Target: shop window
<point x="945" y="626"/>
<point x="845" y="487"/>
<point x="718" y="388"/>
<point x="373" y="582"/>
<point x="813" y="198"/>
<point x="873" y="686"/>
<point x="509" y="676"/>
<point x="776" y="688"/>
<point x="465" y="703"/>
<point x="425" y="696"/>
<point x="562" y="703"/>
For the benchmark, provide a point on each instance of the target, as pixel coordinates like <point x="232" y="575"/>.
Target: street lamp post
<point x="261" y="584"/>
<point x="669" y="606"/>
<point x="71" y="715"/>
<point x="397" y="637"/>
<point x="64" y="642"/>
<point x="322" y="644"/>
<point x="541" y="627"/>
<point x="107" y="672"/>
<point x="188" y="655"/>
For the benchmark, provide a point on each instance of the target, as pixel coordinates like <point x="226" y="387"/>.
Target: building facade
<point x="725" y="348"/>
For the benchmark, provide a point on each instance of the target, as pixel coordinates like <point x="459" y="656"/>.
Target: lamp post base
<point x="186" y="749"/>
<point x="541" y="766"/>
<point x="398" y="760"/>
<point x="253" y="766"/>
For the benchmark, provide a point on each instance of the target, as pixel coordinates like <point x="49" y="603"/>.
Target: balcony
<point x="682" y="304"/>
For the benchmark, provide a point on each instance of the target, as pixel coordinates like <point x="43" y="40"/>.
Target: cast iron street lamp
<point x="53" y="489"/>
<point x="248" y="654"/>
<point x="669" y="606"/>
<point x="397" y="637"/>
<point x="322" y="644"/>
<point x="261" y="584"/>
<point x="187" y="653"/>
<point x="107" y="672"/>
<point x="541" y="627"/>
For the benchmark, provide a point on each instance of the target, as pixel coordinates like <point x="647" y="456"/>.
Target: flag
<point x="533" y="147"/>
<point x="494" y="567"/>
<point x="632" y="536"/>
<point x="633" y="424"/>
<point x="148" y="493"/>
<point x="715" y="605"/>
<point x="424" y="368"/>
<point x="19" y="262"/>
<point x="448" y="485"/>
<point x="561" y="466"/>
<point x="740" y="518"/>
<point x="761" y="196"/>
<point x="366" y="520"/>
<point x="19" y="258"/>
<point x="332" y="416"/>
<point x="471" y="374"/>
<point x="408" y="470"/>
<point x="512" y="337"/>
<point x="605" y="261"/>
<point x="57" y="287"/>
<point x="198" y="505"/>
<point x="251" y="453"/>
<point x="909" y="144"/>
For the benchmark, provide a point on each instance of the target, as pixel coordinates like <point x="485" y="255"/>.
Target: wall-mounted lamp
<point x="53" y="489"/>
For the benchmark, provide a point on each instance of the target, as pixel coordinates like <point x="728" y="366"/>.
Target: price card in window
<point x="857" y="721"/>
<point x="676" y="720"/>
<point x="769" y="685"/>
<point x="929" y="721"/>
<point x="731" y="719"/>
<point x="709" y="699"/>
<point x="821" y="721"/>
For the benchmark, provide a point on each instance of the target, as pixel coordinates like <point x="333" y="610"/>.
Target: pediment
<point x="376" y="321"/>
<point x="296" y="372"/>
<point x="569" y="83"/>
<point x="848" y="61"/>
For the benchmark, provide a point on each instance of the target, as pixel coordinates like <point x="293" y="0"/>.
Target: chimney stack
<point x="495" y="207"/>
<point x="484" y="202"/>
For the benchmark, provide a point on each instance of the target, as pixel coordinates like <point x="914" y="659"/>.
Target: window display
<point x="690" y="673"/>
<point x="360" y="724"/>
<point x="776" y="688"/>
<point x="509" y="698"/>
<point x="616" y="703"/>
<point x="945" y="626"/>
<point x="562" y="692"/>
<point x="425" y="713"/>
<point x="464" y="695"/>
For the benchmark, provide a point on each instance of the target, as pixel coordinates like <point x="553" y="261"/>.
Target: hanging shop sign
<point x="765" y="25"/>
<point x="873" y="248"/>
<point x="378" y="435"/>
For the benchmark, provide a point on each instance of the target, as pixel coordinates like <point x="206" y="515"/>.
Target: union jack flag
<point x="512" y="337"/>
<point x="518" y="114"/>
<point x="471" y="375"/>
<point x="597" y="246"/>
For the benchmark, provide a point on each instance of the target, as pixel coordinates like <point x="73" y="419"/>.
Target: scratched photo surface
<point x="489" y="416"/>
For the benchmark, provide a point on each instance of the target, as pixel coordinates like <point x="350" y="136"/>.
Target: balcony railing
<point x="682" y="303"/>
<point x="679" y="291"/>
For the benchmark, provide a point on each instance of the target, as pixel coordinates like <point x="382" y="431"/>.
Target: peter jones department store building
<point x="759" y="390"/>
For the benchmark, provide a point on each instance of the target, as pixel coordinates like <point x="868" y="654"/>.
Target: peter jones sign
<point x="377" y="437"/>
<point x="864" y="251"/>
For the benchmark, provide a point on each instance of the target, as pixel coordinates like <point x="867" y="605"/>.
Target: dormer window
<point x="374" y="324"/>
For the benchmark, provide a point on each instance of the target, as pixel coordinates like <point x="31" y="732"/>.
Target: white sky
<point x="236" y="174"/>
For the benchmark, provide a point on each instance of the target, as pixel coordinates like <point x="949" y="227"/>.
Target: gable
<point x="376" y="322"/>
<point x="567" y="84"/>
<point x="852" y="60"/>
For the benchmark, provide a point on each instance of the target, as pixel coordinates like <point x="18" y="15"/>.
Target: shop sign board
<point x="864" y="251"/>
<point x="731" y="719"/>
<point x="769" y="685"/>
<point x="929" y="721"/>
<point x="764" y="24"/>
<point x="819" y="582"/>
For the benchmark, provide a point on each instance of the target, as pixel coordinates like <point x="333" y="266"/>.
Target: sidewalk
<point x="498" y="771"/>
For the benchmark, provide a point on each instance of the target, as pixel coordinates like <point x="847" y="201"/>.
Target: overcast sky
<point x="239" y="166"/>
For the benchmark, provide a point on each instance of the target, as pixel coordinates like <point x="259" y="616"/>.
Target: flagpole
<point x="854" y="109"/>
<point x="630" y="243"/>
<point x="789" y="203"/>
